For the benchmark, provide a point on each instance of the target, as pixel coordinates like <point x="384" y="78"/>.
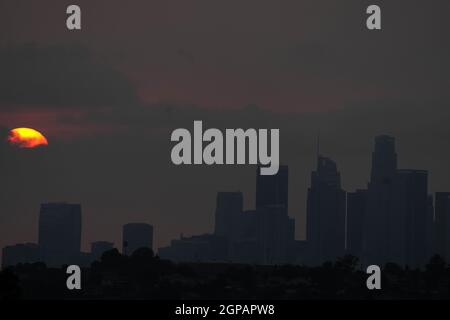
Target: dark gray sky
<point x="108" y="97"/>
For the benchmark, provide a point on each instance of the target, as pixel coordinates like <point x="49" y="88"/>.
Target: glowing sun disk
<point x="26" y="138"/>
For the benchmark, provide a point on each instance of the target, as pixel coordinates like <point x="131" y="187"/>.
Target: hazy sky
<point x="107" y="98"/>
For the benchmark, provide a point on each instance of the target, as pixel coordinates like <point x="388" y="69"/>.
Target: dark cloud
<point x="60" y="76"/>
<point x="289" y="55"/>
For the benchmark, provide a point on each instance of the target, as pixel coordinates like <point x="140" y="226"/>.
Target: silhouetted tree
<point x="9" y="285"/>
<point x="113" y="259"/>
<point x="393" y="269"/>
<point x="347" y="263"/>
<point x="435" y="271"/>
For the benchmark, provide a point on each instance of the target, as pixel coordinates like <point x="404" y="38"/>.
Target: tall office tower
<point x="228" y="210"/>
<point x="60" y="233"/>
<point x="409" y="220"/>
<point x="384" y="160"/>
<point x="135" y="236"/>
<point x="272" y="191"/>
<point x="326" y="206"/>
<point x="441" y="241"/>
<point x="430" y="226"/>
<point x="275" y="235"/>
<point x="100" y="247"/>
<point x="356" y="207"/>
<point x="245" y="248"/>
<point x="376" y="233"/>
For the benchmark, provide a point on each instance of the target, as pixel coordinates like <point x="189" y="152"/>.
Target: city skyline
<point x="107" y="98"/>
<point x="212" y="157"/>
<point x="338" y="222"/>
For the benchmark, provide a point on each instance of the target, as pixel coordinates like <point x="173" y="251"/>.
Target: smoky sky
<point x="107" y="98"/>
<point x="58" y="77"/>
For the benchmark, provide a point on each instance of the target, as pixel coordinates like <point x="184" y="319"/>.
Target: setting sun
<point x="26" y="138"/>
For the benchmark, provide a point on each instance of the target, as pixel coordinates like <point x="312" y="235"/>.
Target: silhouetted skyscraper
<point x="245" y="248"/>
<point x="273" y="190"/>
<point x="135" y="236"/>
<point x="398" y="219"/>
<point x="228" y="210"/>
<point x="60" y="232"/>
<point x="376" y="233"/>
<point x="384" y="160"/>
<point x="409" y="220"/>
<point x="326" y="207"/>
<point x="356" y="207"/>
<point x="275" y="230"/>
<point x="275" y="235"/>
<point x="442" y="225"/>
<point x="430" y="226"/>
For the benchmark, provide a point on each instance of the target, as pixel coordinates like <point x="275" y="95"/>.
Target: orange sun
<point x="26" y="138"/>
